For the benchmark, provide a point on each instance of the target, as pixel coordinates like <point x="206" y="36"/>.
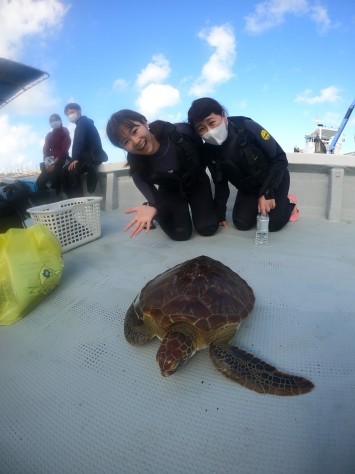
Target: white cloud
<point x="272" y="13"/>
<point x="155" y="97"/>
<point x="332" y="119"/>
<point x="218" y="68"/>
<point x="17" y="140"/>
<point x="156" y="71"/>
<point x="328" y="94"/>
<point x="120" y="84"/>
<point x="21" y="145"/>
<point x="20" y="19"/>
<point x="243" y="104"/>
<point x="319" y="15"/>
<point x="38" y="100"/>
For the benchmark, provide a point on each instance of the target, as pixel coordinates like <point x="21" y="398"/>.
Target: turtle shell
<point x="202" y="292"/>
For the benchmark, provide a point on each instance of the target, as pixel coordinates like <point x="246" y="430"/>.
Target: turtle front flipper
<point x="135" y="330"/>
<point x="255" y="374"/>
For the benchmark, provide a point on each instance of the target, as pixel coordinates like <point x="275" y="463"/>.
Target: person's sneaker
<point x="295" y="212"/>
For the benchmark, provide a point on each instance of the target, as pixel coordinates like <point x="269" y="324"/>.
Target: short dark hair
<point x="71" y="105"/>
<point x="122" y="118"/>
<point x="202" y="108"/>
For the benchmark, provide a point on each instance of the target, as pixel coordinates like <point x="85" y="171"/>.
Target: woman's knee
<point x="207" y="230"/>
<point x="275" y="226"/>
<point x="243" y="224"/>
<point x="180" y="234"/>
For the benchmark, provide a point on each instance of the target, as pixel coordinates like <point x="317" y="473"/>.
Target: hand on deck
<point x="143" y="219"/>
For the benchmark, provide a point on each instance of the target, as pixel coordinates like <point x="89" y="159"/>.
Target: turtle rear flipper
<point x="255" y="374"/>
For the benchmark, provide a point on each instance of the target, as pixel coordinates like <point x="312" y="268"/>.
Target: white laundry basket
<point x="74" y="221"/>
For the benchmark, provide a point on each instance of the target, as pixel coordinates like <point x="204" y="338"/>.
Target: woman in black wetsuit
<point x="239" y="151"/>
<point x="165" y="166"/>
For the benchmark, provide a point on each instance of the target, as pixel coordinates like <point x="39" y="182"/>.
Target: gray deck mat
<point x="75" y="397"/>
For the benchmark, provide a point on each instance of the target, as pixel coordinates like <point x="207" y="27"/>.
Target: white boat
<point x="320" y="139"/>
<point x="326" y="139"/>
<point x="76" y="397"/>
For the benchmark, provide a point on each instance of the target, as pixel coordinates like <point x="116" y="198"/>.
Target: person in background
<point x="164" y="162"/>
<point x="55" y="154"/>
<point x="239" y="151"/>
<point x="87" y="152"/>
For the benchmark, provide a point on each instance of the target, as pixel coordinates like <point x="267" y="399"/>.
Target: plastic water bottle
<point x="262" y="229"/>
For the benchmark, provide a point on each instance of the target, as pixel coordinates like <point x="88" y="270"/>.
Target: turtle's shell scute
<point x="202" y="292"/>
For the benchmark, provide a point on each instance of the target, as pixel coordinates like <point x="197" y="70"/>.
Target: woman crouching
<point x="165" y="166"/>
<point x="239" y="151"/>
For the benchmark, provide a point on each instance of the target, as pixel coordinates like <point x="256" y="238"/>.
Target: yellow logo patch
<point x="265" y="135"/>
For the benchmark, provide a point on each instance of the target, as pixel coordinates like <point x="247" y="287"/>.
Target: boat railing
<point x="323" y="183"/>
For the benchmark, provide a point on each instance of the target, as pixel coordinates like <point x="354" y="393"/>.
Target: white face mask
<point x="56" y="124"/>
<point x="217" y="135"/>
<point x="73" y="117"/>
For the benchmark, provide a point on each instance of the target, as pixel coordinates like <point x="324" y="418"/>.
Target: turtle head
<point x="175" y="350"/>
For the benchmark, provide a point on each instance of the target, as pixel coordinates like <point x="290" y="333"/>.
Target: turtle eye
<point x="165" y="366"/>
<point x="171" y="365"/>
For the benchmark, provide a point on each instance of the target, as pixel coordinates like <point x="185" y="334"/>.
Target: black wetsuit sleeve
<point x="148" y="190"/>
<point x="221" y="195"/>
<point x="274" y="154"/>
<point x="221" y="186"/>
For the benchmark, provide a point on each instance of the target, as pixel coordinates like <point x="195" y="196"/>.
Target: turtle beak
<point x="167" y="365"/>
<point x="175" y="350"/>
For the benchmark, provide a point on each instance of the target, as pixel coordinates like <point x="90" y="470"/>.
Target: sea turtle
<point x="197" y="304"/>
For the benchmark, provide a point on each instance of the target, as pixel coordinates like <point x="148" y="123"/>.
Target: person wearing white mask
<point x="55" y="154"/>
<point x="87" y="152"/>
<point x="241" y="152"/>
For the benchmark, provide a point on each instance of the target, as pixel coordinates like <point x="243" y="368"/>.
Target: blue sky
<point x="281" y="62"/>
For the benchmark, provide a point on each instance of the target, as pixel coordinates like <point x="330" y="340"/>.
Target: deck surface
<point x="75" y="397"/>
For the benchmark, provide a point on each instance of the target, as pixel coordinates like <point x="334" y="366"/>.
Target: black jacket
<point x="176" y="165"/>
<point x="255" y="167"/>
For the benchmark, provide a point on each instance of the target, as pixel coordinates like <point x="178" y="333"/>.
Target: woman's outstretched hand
<point x="142" y="219"/>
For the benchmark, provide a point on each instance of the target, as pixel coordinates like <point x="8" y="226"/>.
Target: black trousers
<point x="245" y="208"/>
<point x="72" y="179"/>
<point x="55" y="177"/>
<point x="174" y="214"/>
